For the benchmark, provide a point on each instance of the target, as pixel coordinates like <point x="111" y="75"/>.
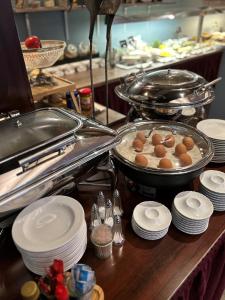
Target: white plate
<point x="42" y="271"/>
<point x="193" y="205"/>
<point x="148" y="233"/>
<point x="149" y="237"/>
<point x="72" y="244"/>
<point x="152" y="216"/>
<point x="213" y="128"/>
<point x="213" y="181"/>
<point x="47" y="224"/>
<point x="192" y="232"/>
<point x="219" y="196"/>
<point x="189" y="225"/>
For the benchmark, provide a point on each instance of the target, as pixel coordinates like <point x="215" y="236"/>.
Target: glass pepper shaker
<point x="101" y="205"/>
<point x="117" y="205"/>
<point x="118" y="237"/>
<point x="95" y="218"/>
<point x="108" y="213"/>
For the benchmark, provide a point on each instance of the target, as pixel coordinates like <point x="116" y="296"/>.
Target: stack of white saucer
<point x="50" y="228"/>
<point x="215" y="130"/>
<point x="212" y="185"/>
<point x="151" y="220"/>
<point x="191" y="212"/>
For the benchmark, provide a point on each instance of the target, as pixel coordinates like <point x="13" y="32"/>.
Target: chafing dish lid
<point x="159" y="88"/>
<point x="32" y="131"/>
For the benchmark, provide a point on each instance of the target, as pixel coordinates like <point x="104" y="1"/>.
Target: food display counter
<point x="179" y="266"/>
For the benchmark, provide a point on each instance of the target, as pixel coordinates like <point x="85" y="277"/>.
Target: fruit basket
<point x="44" y="57"/>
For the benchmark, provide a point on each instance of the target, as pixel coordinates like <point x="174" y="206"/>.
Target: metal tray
<point x="36" y="130"/>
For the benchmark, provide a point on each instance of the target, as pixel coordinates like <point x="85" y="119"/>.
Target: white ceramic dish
<point x="193" y="205"/>
<point x="213" y="128"/>
<point x="48" y="224"/>
<point x="213" y="181"/>
<point x="152" y="216"/>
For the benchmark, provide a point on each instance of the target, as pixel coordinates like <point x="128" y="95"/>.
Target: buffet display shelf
<point x="114" y="74"/>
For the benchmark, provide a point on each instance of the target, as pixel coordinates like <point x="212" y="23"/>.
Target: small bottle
<point x="117" y="205"/>
<point x="69" y="100"/>
<point x="30" y="291"/>
<point x="108" y="213"/>
<point x="101" y="205"/>
<point x="118" y="237"/>
<point x="86" y="101"/>
<point x="95" y="218"/>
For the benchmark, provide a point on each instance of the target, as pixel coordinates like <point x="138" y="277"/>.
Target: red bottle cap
<point x="85" y="91"/>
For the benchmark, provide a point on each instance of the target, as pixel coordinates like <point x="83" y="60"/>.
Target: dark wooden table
<point x="141" y="269"/>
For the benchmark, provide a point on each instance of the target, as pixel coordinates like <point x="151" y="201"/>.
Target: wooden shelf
<point x="43" y="9"/>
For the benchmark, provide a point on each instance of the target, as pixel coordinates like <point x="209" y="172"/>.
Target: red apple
<point x="33" y="42"/>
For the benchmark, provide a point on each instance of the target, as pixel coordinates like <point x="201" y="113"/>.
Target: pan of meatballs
<point x="162" y="153"/>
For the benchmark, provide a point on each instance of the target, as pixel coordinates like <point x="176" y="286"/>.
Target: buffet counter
<point x="206" y="65"/>
<point x="179" y="266"/>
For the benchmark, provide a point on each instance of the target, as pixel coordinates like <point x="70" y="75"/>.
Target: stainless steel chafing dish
<point x="169" y="94"/>
<point x="45" y="149"/>
<point x="155" y="176"/>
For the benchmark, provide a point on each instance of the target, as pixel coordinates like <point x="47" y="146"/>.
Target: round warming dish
<point x="169" y="162"/>
<point x="169" y="94"/>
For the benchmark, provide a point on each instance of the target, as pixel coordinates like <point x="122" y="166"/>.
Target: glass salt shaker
<point x="108" y="213"/>
<point x="118" y="237"/>
<point x="95" y="218"/>
<point x="101" y="205"/>
<point x="117" y="206"/>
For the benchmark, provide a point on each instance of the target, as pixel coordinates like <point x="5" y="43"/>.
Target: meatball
<point x="188" y="142"/>
<point x="169" y="141"/>
<point x="141" y="160"/>
<point x="180" y="149"/>
<point x="185" y="160"/>
<point x="141" y="136"/>
<point x="165" y="163"/>
<point x="156" y="139"/>
<point x="160" y="151"/>
<point x="138" y="145"/>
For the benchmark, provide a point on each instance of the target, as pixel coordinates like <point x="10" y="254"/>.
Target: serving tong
<point x="107" y="8"/>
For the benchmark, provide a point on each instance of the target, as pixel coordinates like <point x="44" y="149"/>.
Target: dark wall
<point x="15" y="92"/>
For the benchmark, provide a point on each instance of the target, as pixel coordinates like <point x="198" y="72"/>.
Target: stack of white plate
<point x="191" y="212"/>
<point x="50" y="228"/>
<point x="151" y="220"/>
<point x="212" y="185"/>
<point x="215" y="130"/>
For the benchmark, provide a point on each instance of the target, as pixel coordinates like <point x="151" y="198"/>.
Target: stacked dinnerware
<point x="215" y="130"/>
<point x="50" y="228"/>
<point x="212" y="185"/>
<point x="191" y="212"/>
<point x="151" y="220"/>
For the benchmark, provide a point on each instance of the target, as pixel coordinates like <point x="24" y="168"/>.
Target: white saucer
<point x="193" y="205"/>
<point x="213" y="181"/>
<point x="152" y="216"/>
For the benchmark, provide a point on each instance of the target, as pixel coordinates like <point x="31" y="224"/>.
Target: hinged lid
<point x="24" y="134"/>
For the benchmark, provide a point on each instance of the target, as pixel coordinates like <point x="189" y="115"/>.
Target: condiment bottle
<point x="30" y="291"/>
<point x="86" y="101"/>
<point x="108" y="213"/>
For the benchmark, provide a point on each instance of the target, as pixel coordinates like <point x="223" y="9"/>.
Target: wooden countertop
<point x="140" y="269"/>
<point x="82" y="79"/>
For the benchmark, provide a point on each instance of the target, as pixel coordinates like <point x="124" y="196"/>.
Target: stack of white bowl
<point x="50" y="228"/>
<point x="215" y="130"/>
<point x="151" y="220"/>
<point x="212" y="185"/>
<point x="191" y="212"/>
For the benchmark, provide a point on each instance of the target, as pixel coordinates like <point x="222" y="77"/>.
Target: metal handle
<point x="58" y="147"/>
<point x="212" y="82"/>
